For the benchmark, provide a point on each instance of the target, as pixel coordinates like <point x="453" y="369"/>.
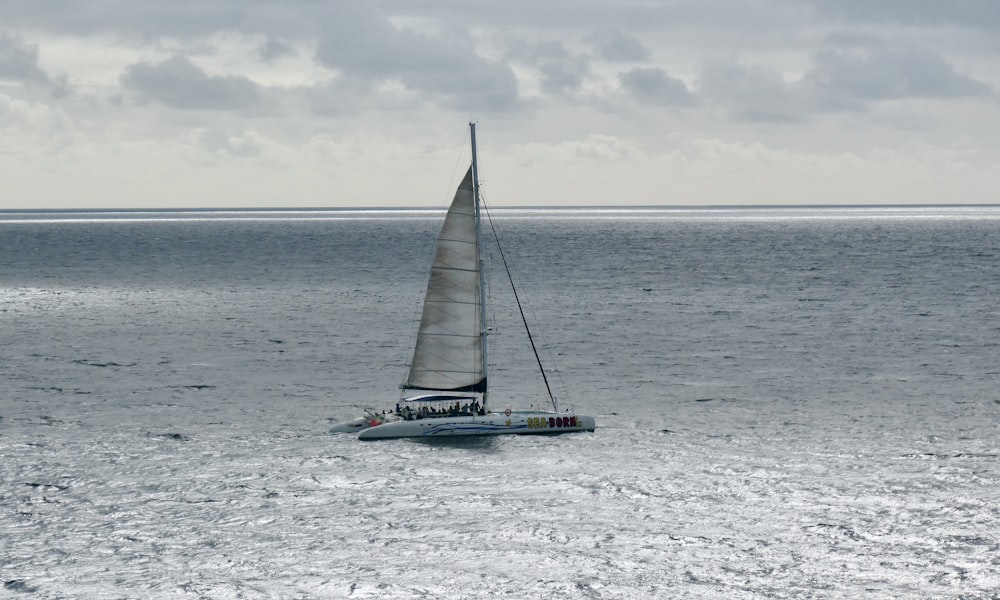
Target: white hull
<point x="517" y="423"/>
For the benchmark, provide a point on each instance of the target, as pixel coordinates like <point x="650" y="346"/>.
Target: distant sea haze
<point x="791" y="402"/>
<point x="947" y="212"/>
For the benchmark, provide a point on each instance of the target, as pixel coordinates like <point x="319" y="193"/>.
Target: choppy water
<point x="791" y="403"/>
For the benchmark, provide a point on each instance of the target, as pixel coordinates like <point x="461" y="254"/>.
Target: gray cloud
<point x="983" y="14"/>
<point x="752" y="92"/>
<point x="615" y="45"/>
<point x="155" y="19"/>
<point x="364" y="44"/>
<point x="560" y="79"/>
<point x="272" y="49"/>
<point x="848" y="74"/>
<point x="149" y="19"/>
<point x="179" y="83"/>
<point x="19" y="61"/>
<point x="345" y="95"/>
<point x="560" y="72"/>
<point x="180" y="18"/>
<point x="655" y="86"/>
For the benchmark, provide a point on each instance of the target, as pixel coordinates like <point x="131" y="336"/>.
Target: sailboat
<point x="446" y="390"/>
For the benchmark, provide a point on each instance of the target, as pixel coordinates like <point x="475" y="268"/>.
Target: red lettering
<point x="552" y="422"/>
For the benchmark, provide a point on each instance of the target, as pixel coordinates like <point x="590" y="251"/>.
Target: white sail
<point x="448" y="353"/>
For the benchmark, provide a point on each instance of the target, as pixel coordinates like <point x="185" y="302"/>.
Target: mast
<point x="479" y="258"/>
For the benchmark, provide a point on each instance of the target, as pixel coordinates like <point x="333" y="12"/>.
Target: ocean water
<point x="791" y="403"/>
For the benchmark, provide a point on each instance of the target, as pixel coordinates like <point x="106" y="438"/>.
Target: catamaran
<point x="446" y="392"/>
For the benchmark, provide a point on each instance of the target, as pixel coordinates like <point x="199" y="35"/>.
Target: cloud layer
<point x="243" y="93"/>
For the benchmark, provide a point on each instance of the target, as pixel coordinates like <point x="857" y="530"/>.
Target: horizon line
<point x="558" y="207"/>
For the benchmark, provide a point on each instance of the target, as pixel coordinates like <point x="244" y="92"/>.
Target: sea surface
<point x="791" y="403"/>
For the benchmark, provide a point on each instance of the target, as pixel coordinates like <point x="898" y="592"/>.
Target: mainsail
<point x="449" y="350"/>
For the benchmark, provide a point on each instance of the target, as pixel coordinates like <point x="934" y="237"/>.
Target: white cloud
<point x="595" y="146"/>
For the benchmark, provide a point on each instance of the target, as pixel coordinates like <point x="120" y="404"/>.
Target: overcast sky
<point x="261" y="103"/>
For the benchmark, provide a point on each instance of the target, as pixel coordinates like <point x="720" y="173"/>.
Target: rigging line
<point x="517" y="298"/>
